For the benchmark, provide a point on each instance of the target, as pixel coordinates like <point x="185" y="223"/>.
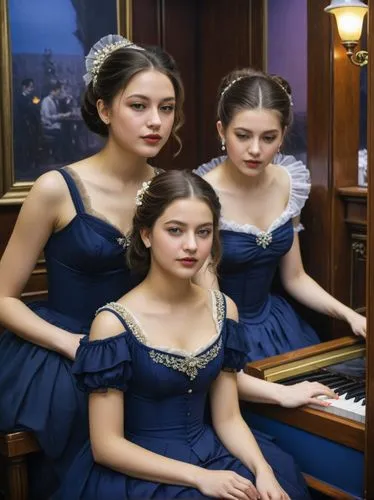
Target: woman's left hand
<point x="305" y="393"/>
<point x="268" y="487"/>
<point x="358" y="324"/>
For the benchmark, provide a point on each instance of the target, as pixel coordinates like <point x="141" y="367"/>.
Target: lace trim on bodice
<point x="186" y="362"/>
<point x="86" y="200"/>
<point x="299" y="191"/>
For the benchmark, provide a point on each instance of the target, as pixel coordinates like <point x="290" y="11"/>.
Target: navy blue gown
<point x="166" y="392"/>
<point x="86" y="268"/>
<point x="250" y="258"/>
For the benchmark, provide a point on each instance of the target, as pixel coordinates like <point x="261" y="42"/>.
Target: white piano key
<point x="343" y="407"/>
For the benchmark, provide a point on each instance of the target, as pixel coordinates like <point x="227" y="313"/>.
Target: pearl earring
<point x="223" y="144"/>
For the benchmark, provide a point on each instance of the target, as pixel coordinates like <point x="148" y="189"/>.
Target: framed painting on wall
<point x="43" y="46"/>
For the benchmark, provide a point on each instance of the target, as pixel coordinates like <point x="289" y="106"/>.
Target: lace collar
<point x="299" y="191"/>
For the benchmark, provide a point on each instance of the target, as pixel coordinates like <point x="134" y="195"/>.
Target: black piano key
<point x="340" y="383"/>
<point x="294" y="380"/>
<point x="301" y="378"/>
<point x="329" y="379"/>
<point x="355" y="391"/>
<point x="323" y="378"/>
<point x="358" y="397"/>
<point x="344" y="388"/>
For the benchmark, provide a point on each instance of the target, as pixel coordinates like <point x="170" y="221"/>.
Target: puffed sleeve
<point x="236" y="347"/>
<point x="103" y="364"/>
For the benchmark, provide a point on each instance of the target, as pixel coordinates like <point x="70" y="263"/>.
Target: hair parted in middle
<point x="248" y="89"/>
<point x="115" y="74"/>
<point x="163" y="190"/>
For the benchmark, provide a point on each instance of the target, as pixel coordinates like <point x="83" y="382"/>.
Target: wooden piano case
<point x="328" y="448"/>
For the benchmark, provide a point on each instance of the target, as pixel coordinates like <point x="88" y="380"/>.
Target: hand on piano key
<point x="351" y="390"/>
<point x="346" y="406"/>
<point x="304" y="393"/>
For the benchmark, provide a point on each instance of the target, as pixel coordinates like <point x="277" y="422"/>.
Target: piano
<point x="327" y="442"/>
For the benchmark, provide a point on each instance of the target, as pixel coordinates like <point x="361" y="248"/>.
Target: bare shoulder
<point x="231" y="309"/>
<point x="82" y="165"/>
<point x="105" y="325"/>
<point x="214" y="176"/>
<point x="50" y="188"/>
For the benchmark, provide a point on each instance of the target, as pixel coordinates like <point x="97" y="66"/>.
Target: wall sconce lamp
<point x="349" y="16"/>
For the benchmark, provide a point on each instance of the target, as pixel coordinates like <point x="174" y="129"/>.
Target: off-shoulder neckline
<point x="137" y="332"/>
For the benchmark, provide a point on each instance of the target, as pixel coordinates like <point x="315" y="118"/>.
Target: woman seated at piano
<point x="151" y="371"/>
<point x="262" y="194"/>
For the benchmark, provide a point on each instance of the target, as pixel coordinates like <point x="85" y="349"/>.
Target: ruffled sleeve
<point x="103" y="364"/>
<point x="300" y="183"/>
<point x="236" y="347"/>
<point x="210" y="165"/>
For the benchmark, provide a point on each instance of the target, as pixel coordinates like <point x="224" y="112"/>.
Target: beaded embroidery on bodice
<point x="178" y="359"/>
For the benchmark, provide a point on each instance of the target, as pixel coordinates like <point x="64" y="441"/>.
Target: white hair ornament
<point x="231" y="84"/>
<point x="99" y="53"/>
<point x="141" y="192"/>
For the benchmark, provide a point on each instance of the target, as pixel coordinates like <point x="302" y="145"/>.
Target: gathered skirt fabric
<point x="90" y="481"/>
<point x="278" y="329"/>
<point x="38" y="392"/>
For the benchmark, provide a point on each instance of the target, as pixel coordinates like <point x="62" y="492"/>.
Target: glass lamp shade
<point x="349" y="16"/>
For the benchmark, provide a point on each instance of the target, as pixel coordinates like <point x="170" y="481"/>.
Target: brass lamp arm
<point x="359" y="58"/>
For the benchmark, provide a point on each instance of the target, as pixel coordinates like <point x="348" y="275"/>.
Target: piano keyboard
<point x="344" y="407"/>
<point x="351" y="391"/>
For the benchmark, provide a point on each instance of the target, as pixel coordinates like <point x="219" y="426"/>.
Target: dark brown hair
<point x="163" y="190"/>
<point x="114" y="76"/>
<point x="250" y="89"/>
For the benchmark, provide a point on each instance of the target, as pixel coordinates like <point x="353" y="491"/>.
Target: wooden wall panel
<point x="316" y="215"/>
<point x="333" y="121"/>
<point x="36" y="288"/>
<point x="179" y="36"/>
<point x="345" y="145"/>
<point x="226" y="44"/>
<point x="146" y="21"/>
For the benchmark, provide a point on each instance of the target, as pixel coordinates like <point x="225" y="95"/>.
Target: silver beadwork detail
<point x="263" y="239"/>
<point x="122" y="311"/>
<point x="123" y="241"/>
<point x="190" y="364"/>
<point x="219" y="312"/>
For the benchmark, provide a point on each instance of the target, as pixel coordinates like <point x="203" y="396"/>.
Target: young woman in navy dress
<point x="261" y="204"/>
<point x="150" y="371"/>
<point x="80" y="216"/>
